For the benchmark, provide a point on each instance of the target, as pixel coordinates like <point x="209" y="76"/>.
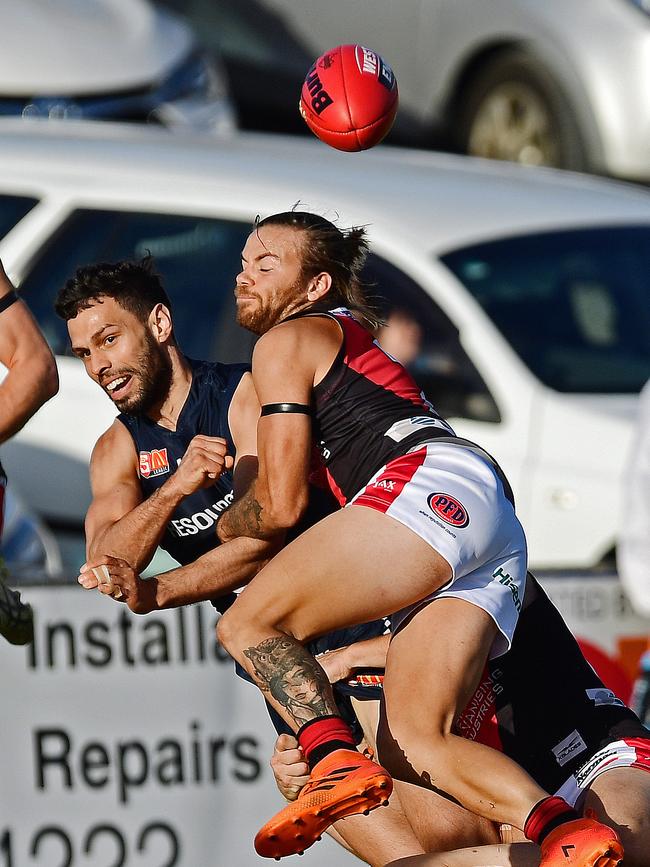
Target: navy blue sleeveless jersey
<point x="191" y="531"/>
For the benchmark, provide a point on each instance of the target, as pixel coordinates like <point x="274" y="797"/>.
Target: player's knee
<point x="400" y="748"/>
<point x="228" y="630"/>
<point x="239" y="626"/>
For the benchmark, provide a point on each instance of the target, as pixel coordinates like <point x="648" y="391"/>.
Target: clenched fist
<point x="203" y="463"/>
<point x="289" y="767"/>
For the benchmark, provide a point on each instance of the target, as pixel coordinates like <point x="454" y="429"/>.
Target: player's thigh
<point x="434" y="664"/>
<point x="621" y="798"/>
<point x="385" y="835"/>
<point x="367" y="714"/>
<point x="355" y="565"/>
<point x="441" y="825"/>
<point x="513" y="855"/>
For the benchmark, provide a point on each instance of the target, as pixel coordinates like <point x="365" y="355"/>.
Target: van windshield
<point x="575" y="305"/>
<point x="12" y="210"/>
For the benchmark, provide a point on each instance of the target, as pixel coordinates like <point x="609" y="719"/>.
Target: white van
<point x="523" y="294"/>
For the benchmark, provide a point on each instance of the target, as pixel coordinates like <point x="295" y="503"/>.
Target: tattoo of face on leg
<point x="291" y="675"/>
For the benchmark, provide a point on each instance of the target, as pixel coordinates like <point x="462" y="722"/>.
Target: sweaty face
<point x="121" y="354"/>
<point x="268" y="288"/>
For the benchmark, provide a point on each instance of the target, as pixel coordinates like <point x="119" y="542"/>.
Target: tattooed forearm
<point x="287" y="672"/>
<point x="245" y="518"/>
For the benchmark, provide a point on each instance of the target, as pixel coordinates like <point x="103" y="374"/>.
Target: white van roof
<point x="436" y="202"/>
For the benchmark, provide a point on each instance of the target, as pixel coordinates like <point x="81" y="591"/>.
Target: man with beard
<point x="161" y="475"/>
<point x="31" y="380"/>
<point x="120" y="326"/>
<point x="428" y="529"/>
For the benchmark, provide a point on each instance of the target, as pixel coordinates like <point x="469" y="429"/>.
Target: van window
<point x="574" y="305"/>
<point x="197" y="258"/>
<point x="12" y="210"/>
<point x="426" y="341"/>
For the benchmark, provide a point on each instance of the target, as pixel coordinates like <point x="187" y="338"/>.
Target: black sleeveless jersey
<point x="541" y="703"/>
<point x="191" y="531"/>
<point x="367" y="410"/>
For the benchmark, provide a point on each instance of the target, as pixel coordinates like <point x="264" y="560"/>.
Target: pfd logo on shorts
<point x="449" y="509"/>
<point x="154" y="463"/>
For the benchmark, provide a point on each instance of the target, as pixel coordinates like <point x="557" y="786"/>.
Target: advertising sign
<point x="129" y="742"/>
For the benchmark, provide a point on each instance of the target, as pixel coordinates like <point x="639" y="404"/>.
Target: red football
<point x="349" y="98"/>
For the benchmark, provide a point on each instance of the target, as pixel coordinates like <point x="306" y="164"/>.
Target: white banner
<point x="129" y="742"/>
<point x="596" y="608"/>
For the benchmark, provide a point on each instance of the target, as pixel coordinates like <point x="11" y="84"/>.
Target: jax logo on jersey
<point x="449" y="509"/>
<point x="154" y="463"/>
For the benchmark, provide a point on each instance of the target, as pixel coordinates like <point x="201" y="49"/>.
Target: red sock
<point x="322" y="736"/>
<point x="547" y="815"/>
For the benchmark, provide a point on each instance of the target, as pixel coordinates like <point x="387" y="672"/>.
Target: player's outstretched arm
<point x="32" y="377"/>
<point x="220" y="571"/>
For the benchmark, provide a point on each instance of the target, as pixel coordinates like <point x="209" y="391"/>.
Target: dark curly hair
<point x="340" y="252"/>
<point x="134" y="285"/>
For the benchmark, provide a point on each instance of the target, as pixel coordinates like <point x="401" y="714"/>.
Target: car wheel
<point x="512" y="109"/>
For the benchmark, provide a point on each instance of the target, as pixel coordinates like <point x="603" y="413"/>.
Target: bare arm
<point x="220" y="570"/>
<point x="32" y="377"/>
<point x="119" y="522"/>
<point x="342" y="663"/>
<point x="285" y="365"/>
<point x="217" y="572"/>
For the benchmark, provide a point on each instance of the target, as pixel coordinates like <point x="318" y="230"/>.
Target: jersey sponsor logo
<point x="386" y="484"/>
<point x="154" y="463"/>
<point x="616" y="754"/>
<point x="506" y="579"/>
<point x="480" y="710"/>
<point x="602" y="696"/>
<point x="200" y="521"/>
<point x="407" y="426"/>
<point x="571" y="746"/>
<point x="449" y="509"/>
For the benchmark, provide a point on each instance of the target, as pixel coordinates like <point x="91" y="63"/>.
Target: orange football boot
<point x="342" y="784"/>
<point x="582" y="843"/>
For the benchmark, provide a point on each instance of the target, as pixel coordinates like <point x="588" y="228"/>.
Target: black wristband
<point x="8" y="300"/>
<point x="271" y="408"/>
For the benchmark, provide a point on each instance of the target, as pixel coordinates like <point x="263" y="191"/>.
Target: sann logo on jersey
<point x="154" y="463"/>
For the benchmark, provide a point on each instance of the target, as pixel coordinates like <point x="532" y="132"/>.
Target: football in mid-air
<point x="349" y="98"/>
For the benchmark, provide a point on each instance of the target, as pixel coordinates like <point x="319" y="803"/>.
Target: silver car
<point x="561" y="82"/>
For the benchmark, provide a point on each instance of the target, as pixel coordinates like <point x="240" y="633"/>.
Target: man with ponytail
<point x="428" y="530"/>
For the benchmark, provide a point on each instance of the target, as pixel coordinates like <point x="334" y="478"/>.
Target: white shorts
<point x="453" y="499"/>
<point x="628" y="753"/>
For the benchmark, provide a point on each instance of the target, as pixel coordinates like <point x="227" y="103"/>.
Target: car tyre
<point x="513" y="109"/>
